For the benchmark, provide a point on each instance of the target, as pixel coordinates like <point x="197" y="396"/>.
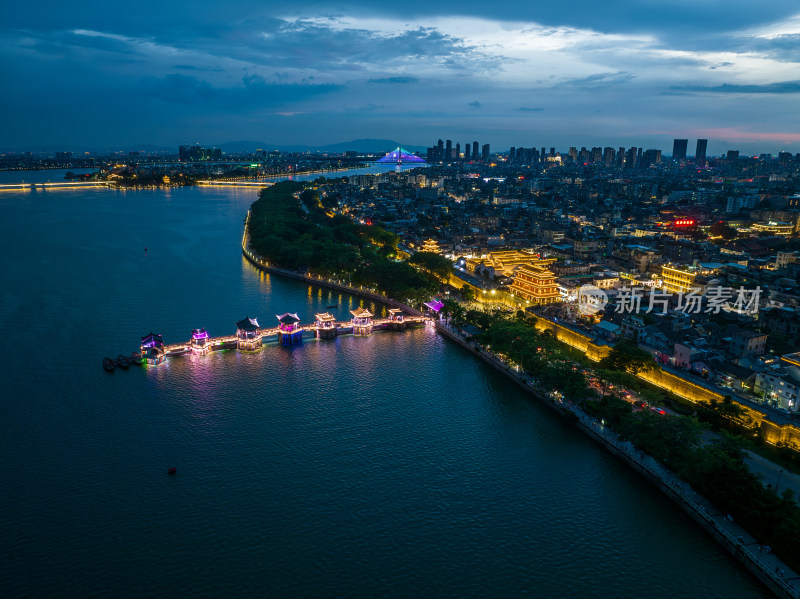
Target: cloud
<point x="599" y="80"/>
<point x="528" y="109"/>
<point x="781" y="87"/>
<point x="397" y="79"/>
<point x="255" y="92"/>
<point x="475" y="104"/>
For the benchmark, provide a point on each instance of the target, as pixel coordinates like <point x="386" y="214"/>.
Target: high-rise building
<point x="651" y="157"/>
<point x="700" y="153"/>
<point x="457" y="153"/>
<point x="485" y="153"/>
<point x="632" y="157"/>
<point x="467" y="149"/>
<point x="679" y="147"/>
<point x="608" y="156"/>
<point x="475" y="150"/>
<point x="448" y="149"/>
<point x="733" y="155"/>
<point x="512" y="154"/>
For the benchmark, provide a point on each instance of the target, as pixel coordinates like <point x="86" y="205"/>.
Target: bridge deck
<point x="212" y="342"/>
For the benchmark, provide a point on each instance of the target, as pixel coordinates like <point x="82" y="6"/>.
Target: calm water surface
<point x="395" y="465"/>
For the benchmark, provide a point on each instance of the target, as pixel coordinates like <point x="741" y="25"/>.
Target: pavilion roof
<point x="361" y="313"/>
<point x="247" y="324"/>
<point x="325" y="317"/>
<point x="152" y="339"/>
<point x="435" y="305"/>
<point x="288" y="318"/>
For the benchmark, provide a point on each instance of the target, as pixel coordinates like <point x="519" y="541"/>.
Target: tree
<point x="437" y="265"/>
<point x="723" y="230"/>
<point x="627" y="357"/>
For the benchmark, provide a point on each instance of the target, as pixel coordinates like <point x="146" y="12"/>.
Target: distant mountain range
<point x="234" y="147"/>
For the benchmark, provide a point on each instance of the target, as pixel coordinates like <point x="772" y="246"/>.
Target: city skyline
<point x="619" y="74"/>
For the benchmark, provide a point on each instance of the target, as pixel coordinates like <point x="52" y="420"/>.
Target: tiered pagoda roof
<point x="361" y="313"/>
<point x="535" y="283"/>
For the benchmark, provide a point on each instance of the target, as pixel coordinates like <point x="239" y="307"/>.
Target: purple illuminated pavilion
<point x="153" y="349"/>
<point x="434" y="305"/>
<point x="399" y="156"/>
<point x="199" y="341"/>
<point x="289" y="329"/>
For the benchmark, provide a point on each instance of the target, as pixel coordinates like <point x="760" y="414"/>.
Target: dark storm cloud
<point x="413" y="67"/>
<point x="205" y="17"/>
<point x="782" y="87"/>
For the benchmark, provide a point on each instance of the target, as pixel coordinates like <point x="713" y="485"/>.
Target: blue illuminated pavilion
<point x="399" y="156"/>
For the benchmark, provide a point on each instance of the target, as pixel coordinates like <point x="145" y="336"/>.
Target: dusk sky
<point x="524" y="73"/>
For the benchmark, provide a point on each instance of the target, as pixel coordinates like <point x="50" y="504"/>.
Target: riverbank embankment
<point x="758" y="559"/>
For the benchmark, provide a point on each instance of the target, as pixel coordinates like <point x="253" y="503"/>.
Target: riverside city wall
<point x="773" y="432"/>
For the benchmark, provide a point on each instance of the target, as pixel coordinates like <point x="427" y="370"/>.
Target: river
<point x="394" y="465"/>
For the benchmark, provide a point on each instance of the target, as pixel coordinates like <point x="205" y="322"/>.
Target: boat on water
<point x="332" y="307"/>
<point x="109" y="364"/>
<point x="123" y="361"/>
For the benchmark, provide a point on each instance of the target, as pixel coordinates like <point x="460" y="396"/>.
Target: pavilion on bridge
<point x="325" y="326"/>
<point x="289" y="330"/>
<point x="153" y="349"/>
<point x="397" y="319"/>
<point x="362" y="321"/>
<point x="199" y="343"/>
<point x="248" y="337"/>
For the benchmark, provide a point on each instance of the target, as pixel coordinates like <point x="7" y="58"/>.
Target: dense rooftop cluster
<point x="658" y="226"/>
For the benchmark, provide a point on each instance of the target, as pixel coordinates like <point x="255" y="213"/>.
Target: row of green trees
<point x="716" y="469"/>
<point x="290" y="227"/>
<point x="540" y="355"/>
